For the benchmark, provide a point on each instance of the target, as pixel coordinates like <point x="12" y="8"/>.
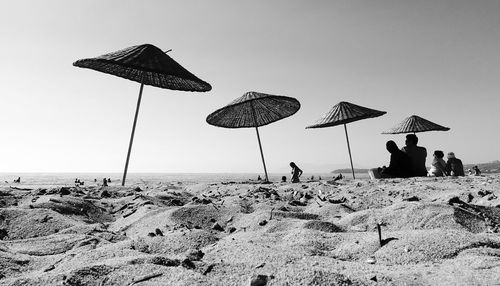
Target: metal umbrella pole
<point x="132" y="135"/>
<point x="349" y="149"/>
<point x="258" y="138"/>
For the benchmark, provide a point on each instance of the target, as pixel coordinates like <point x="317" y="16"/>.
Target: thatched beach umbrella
<point x="414" y="124"/>
<point x="343" y="113"/>
<point x="147" y="65"/>
<point x="254" y="109"/>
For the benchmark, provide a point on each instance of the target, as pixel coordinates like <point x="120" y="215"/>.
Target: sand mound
<point x="202" y="216"/>
<point x="430" y="245"/>
<point x="28" y="223"/>
<point x="47" y="245"/>
<point x="314" y="276"/>
<point x="76" y="207"/>
<point x="175" y="243"/>
<point x="413" y="215"/>
<point x="322" y="226"/>
<point x="88" y="276"/>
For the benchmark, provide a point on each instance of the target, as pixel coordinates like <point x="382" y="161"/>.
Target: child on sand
<point x="296" y="173"/>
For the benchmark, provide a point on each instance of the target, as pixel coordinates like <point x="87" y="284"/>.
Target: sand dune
<point x="435" y="231"/>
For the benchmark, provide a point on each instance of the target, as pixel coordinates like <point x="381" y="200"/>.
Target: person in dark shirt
<point x="399" y="166"/>
<point x="417" y="156"/>
<point x="296" y="173"/>
<point x="454" y="166"/>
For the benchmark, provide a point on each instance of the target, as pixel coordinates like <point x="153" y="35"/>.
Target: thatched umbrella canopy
<point x="414" y="124"/>
<point x="147" y="65"/>
<point x="254" y="109"/>
<point x="343" y="113"/>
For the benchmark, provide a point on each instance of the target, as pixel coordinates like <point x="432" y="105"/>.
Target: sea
<point x="132" y="179"/>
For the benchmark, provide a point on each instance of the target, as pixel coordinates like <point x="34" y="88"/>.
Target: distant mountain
<point x="349" y="171"/>
<point x="491" y="167"/>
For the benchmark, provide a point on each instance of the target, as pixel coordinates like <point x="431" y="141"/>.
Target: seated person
<point x="476" y="170"/>
<point x="438" y="168"/>
<point x="399" y="167"/>
<point x="417" y="155"/>
<point x="454" y="166"/>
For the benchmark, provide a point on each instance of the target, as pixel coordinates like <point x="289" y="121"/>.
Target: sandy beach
<point x="434" y="231"/>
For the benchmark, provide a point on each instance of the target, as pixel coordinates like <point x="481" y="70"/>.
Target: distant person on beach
<point x="400" y="165"/>
<point x="18" y="180"/>
<point x="296" y="173"/>
<point x="438" y="168"/>
<point x="454" y="166"/>
<point x="259" y="178"/>
<point x="104" y="182"/>
<point x="109" y="180"/>
<point x="476" y="170"/>
<point x="417" y="155"/>
<point x="283" y="179"/>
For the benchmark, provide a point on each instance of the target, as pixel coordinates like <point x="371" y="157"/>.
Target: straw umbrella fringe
<point x="147" y="65"/>
<point x="254" y="109"/>
<point x="343" y="113"/>
<point x="414" y="124"/>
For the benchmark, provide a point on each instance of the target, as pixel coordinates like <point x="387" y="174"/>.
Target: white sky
<point x="436" y="59"/>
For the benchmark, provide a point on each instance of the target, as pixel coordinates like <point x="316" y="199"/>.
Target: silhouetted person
<point x="104" y="182"/>
<point x="109" y="180"/>
<point x="18" y="180"/>
<point x="476" y="170"/>
<point x="454" y="166"/>
<point x="283" y="179"/>
<point x="259" y="178"/>
<point x="296" y="173"/>
<point x="399" y="165"/>
<point x="417" y="155"/>
<point x="438" y="168"/>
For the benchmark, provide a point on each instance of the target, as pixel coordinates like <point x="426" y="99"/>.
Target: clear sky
<point x="436" y="59"/>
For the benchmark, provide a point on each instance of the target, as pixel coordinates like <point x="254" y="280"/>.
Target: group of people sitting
<point x="410" y="162"/>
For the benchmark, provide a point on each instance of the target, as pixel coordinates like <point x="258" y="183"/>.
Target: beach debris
<point x="188" y="264"/>
<point x="260" y="265"/>
<point x="217" y="226"/>
<point x="262" y="223"/>
<point x="374" y="278"/>
<point x="145" y="278"/>
<point x="195" y="254"/>
<point x="337" y="201"/>
<point x="371" y="260"/>
<point x="259" y="280"/>
<point x="412" y="199"/>
<point x="130" y="213"/>
<point x="209" y="269"/>
<point x="231" y="229"/>
<point x="271" y="215"/>
<point x="297" y="203"/>
<point x="164" y="261"/>
<point x="158" y="232"/>
<point x="3" y="233"/>
<point x="105" y="194"/>
<point x="64" y="191"/>
<point x="379" y="234"/>
<point x="20" y="189"/>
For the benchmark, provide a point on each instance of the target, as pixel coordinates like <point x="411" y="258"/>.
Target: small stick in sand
<point x="145" y="277"/>
<point x="379" y="234"/>
<point x="271" y="217"/>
